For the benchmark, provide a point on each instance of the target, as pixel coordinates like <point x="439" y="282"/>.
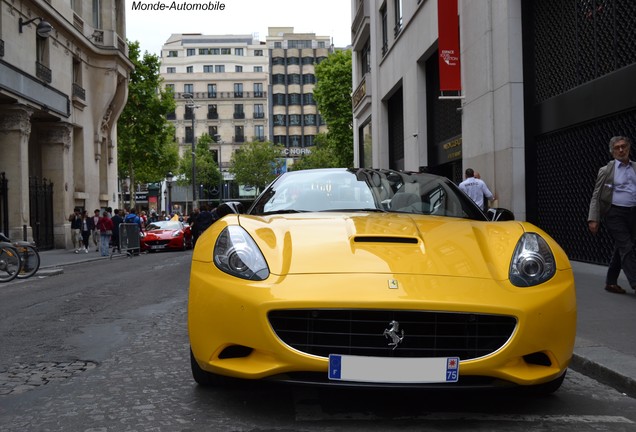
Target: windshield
<point x="365" y="190"/>
<point x="164" y="225"/>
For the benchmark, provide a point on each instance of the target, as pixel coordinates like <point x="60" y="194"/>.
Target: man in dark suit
<point x="614" y="202"/>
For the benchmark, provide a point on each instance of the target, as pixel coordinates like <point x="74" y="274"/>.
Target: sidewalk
<point x="605" y="344"/>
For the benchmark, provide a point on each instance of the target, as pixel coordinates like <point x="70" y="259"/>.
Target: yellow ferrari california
<point x="364" y="277"/>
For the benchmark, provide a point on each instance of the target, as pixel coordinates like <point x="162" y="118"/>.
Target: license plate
<point x="157" y="246"/>
<point x="393" y="370"/>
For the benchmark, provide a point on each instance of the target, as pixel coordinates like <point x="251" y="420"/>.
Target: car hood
<point x="320" y="243"/>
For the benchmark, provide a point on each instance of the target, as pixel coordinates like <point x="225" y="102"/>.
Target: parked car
<point x="166" y="235"/>
<point x="382" y="278"/>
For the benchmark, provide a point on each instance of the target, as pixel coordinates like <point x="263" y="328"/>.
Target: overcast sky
<point x="153" y="28"/>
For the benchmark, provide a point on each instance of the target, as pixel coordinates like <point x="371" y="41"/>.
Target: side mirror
<point x="500" y="214"/>
<point x="226" y="208"/>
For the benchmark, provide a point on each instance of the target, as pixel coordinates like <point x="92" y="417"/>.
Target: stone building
<point x="63" y="84"/>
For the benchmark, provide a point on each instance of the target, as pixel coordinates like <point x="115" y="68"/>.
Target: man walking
<point x="476" y="188"/>
<point x="614" y="202"/>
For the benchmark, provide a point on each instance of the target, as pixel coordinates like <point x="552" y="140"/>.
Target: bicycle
<point x="10" y="262"/>
<point x="28" y="254"/>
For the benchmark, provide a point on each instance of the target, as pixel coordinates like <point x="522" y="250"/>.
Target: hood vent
<point x="385" y="239"/>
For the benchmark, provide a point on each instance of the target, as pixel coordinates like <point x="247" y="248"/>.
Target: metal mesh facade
<point x="574" y="51"/>
<point x="577" y="41"/>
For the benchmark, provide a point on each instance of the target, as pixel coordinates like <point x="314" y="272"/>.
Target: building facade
<point x="294" y="117"/>
<point x="63" y="83"/>
<point x="220" y="86"/>
<point x="544" y="86"/>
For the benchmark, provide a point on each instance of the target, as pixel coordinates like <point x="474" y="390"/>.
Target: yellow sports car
<point x="366" y="277"/>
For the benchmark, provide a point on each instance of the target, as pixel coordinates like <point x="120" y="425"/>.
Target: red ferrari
<point x="166" y="235"/>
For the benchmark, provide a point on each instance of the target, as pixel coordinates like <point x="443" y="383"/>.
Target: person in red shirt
<point x="105" y="227"/>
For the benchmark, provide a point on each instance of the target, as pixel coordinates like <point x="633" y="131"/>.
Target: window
<point x="258" y="89"/>
<point x="238" y="51"/>
<point x="215" y="51"/>
<point x="226" y="51"/>
<point x="190" y="52"/>
<point x="293" y="99"/>
<point x="299" y="44"/>
<point x="294" y="119"/>
<point x="238" y="111"/>
<point x="278" y="61"/>
<point x="189" y="113"/>
<point x="278" y="44"/>
<point x="189" y="69"/>
<point x="213" y="131"/>
<point x="239" y="134"/>
<point x="279" y="139"/>
<point x="208" y="69"/>
<point x="309" y="79"/>
<point x="238" y="68"/>
<point x="188" y="88"/>
<point x="173" y="53"/>
<point x="310" y="119"/>
<point x="279" y="120"/>
<point x="258" y="68"/>
<point x="293" y="79"/>
<point x="211" y="90"/>
<point x="294" y="140"/>
<point x="188" y="134"/>
<point x="238" y="90"/>
<point x="258" y="111"/>
<point x="308" y="99"/>
<point x="279" y="99"/>
<point x="97" y="14"/>
<point x="308" y="60"/>
<point x="212" y="112"/>
<point x="278" y="79"/>
<point x="170" y="87"/>
<point x="365" y="58"/>
<point x="397" y="5"/>
<point x="259" y="133"/>
<point x="321" y="44"/>
<point x="258" y="53"/>
<point x="309" y="140"/>
<point x="293" y="60"/>
<point x="171" y="70"/>
<point x="205" y="51"/>
<point x="219" y="68"/>
<point x="385" y="29"/>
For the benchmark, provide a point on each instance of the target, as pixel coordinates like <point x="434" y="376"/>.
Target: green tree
<point x="333" y="96"/>
<point x="256" y="164"/>
<point x="145" y="139"/>
<point x="207" y="172"/>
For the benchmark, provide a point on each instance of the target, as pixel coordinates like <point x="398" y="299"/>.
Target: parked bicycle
<point x="28" y="258"/>
<point x="10" y="262"/>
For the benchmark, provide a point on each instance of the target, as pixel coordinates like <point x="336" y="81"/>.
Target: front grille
<point x="360" y="332"/>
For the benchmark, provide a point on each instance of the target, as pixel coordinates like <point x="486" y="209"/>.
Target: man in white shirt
<point x="476" y="188"/>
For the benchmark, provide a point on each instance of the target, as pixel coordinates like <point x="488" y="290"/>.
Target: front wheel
<point x="30" y="261"/>
<point x="10" y="263"/>
<point x="204" y="378"/>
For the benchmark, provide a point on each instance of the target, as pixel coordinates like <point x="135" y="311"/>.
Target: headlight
<point x="176" y="234"/>
<point x="236" y="253"/>
<point x="533" y="261"/>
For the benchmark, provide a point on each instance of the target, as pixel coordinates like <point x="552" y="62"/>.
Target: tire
<point x="30" y="261"/>
<point x="10" y="263"/>
<point x="204" y="378"/>
<point x="548" y="388"/>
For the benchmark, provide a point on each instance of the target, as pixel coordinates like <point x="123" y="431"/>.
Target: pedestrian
<point x="96" y="239"/>
<point x="76" y="235"/>
<point x="86" y="230"/>
<point x="117" y="220"/>
<point x="105" y="228"/>
<point x="614" y="203"/>
<point x="476" y="189"/>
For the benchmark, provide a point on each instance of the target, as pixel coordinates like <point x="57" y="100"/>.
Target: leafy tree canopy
<point x="145" y="145"/>
<point x="207" y="171"/>
<point x="333" y="96"/>
<point x="256" y="164"/>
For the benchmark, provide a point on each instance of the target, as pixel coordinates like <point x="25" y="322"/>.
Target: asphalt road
<point x="103" y="347"/>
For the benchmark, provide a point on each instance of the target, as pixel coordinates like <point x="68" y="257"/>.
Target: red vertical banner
<point x="448" y="46"/>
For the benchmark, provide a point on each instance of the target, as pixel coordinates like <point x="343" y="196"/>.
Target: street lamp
<point x="190" y="103"/>
<point x="217" y="138"/>
<point x="169" y="178"/>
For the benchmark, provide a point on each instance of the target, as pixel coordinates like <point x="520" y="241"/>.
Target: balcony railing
<point x="222" y="95"/>
<point x="239" y="115"/>
<point x="43" y="72"/>
<point x="259" y="115"/>
<point x="79" y="92"/>
<point x="213" y="115"/>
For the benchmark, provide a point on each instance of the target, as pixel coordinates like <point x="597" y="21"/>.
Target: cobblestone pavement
<point x="20" y="378"/>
